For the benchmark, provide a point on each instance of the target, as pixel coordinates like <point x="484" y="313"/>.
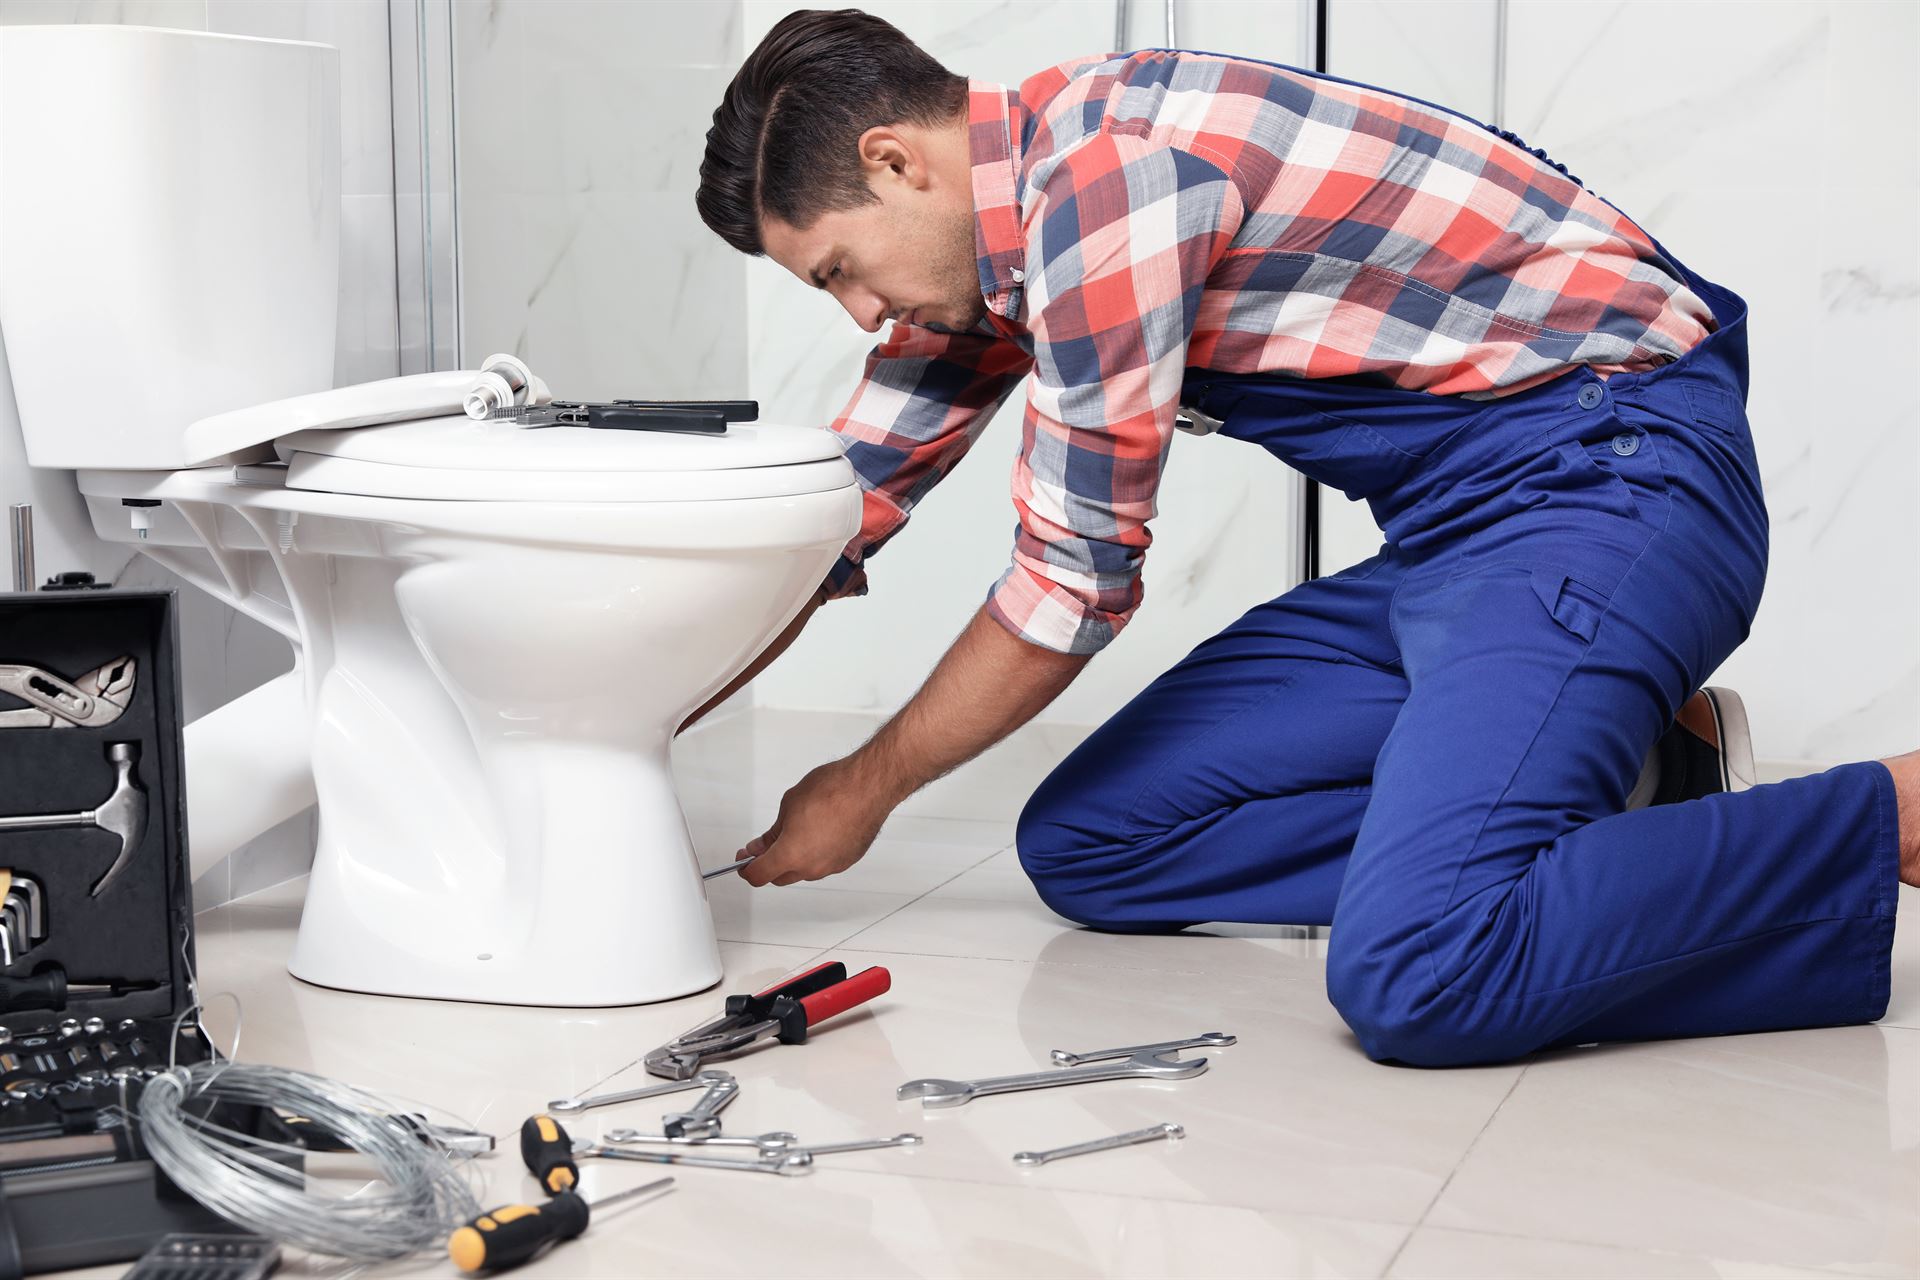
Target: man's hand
<point x="827" y="822"/>
<point x="988" y="684"/>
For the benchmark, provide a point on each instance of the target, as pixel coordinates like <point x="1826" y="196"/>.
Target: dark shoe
<point x="1708" y="749"/>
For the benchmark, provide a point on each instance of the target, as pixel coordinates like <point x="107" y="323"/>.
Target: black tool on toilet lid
<point x="695" y="417"/>
<point x="786" y="1013"/>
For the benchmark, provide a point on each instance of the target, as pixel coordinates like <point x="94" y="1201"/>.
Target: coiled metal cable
<point x="248" y="1180"/>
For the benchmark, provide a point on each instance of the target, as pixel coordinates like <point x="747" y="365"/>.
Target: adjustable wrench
<point x="567" y="1106"/>
<point x="704" y="1120"/>
<point x="1151" y="1061"/>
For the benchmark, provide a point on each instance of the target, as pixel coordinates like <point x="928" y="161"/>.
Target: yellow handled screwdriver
<point x="504" y="1238"/>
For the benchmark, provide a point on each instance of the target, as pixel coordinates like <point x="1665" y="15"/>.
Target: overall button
<point x="1590" y="395"/>
<point x="1626" y="444"/>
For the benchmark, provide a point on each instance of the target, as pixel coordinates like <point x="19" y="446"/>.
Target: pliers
<point x="97" y="698"/>
<point x="785" y="1012"/>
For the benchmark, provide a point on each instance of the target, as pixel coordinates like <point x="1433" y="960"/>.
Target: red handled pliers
<point x="786" y="1012"/>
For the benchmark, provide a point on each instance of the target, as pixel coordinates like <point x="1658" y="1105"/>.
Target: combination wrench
<point x="705" y="1080"/>
<point x="1148" y="1061"/>
<point x="1151" y="1133"/>
<point x="788" y="1163"/>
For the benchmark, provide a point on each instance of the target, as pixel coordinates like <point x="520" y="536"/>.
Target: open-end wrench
<point x="1211" y="1040"/>
<point x="766" y="1144"/>
<point x="790" y="1163"/>
<point x="568" y="1106"/>
<point x="703" y="1121"/>
<point x="1149" y="1134"/>
<point x="870" y="1144"/>
<point x="1147" y="1062"/>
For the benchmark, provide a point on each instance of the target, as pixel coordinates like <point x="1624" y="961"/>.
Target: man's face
<point x="909" y="256"/>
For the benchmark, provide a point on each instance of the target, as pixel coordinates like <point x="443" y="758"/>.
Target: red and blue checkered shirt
<point x="1140" y="215"/>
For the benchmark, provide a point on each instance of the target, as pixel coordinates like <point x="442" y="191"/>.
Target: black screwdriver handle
<point x="548" y="1151"/>
<point x="516" y="1233"/>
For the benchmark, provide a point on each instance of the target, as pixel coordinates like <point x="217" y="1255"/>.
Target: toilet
<point x="497" y="628"/>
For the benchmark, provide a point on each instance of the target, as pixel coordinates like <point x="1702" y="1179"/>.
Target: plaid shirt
<point x="1140" y="215"/>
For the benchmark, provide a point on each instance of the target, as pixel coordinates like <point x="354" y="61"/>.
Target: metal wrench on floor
<point x="1151" y="1133"/>
<point x="1211" y="1040"/>
<point x="703" y="1121"/>
<point x="768" y="1144"/>
<point x="790" y="1163"/>
<point x="705" y="1080"/>
<point x="1147" y="1061"/>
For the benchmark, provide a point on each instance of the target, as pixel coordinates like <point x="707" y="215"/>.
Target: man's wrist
<point x="881" y="775"/>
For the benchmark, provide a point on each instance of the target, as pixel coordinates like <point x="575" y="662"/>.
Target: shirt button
<point x="1626" y="444"/>
<point x="1590" y="395"/>
<point x="1018" y="275"/>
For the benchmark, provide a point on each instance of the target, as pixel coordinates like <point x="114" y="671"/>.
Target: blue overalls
<point x="1432" y="750"/>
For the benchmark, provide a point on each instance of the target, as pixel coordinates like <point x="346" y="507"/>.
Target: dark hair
<point x="785" y="139"/>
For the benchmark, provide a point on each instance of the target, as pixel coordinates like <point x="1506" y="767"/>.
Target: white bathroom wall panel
<point x="1775" y="148"/>
<point x="1224" y="536"/>
<point x="224" y="654"/>
<point x="581" y="128"/>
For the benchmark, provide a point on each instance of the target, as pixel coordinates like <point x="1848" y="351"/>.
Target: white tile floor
<point x="1777" y="1155"/>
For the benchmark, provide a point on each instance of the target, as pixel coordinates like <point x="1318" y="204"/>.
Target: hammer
<point x="123" y="812"/>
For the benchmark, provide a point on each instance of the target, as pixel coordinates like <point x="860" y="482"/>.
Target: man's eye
<point x="835" y="273"/>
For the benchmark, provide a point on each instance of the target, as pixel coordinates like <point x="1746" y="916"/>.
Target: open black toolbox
<point x="76" y="1186"/>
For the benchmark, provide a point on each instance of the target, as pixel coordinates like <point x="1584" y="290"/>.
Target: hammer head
<point x="124" y="812"/>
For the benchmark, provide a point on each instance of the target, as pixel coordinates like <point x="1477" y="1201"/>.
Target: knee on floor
<point x="1399" y="1014"/>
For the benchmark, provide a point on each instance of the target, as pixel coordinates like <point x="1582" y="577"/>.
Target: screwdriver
<point x="513" y="1234"/>
<point x="548" y="1151"/>
<point x="49" y="989"/>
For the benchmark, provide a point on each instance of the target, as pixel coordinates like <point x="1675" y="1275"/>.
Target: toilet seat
<point x="459" y="459"/>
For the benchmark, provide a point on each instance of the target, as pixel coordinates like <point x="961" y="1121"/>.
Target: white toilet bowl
<point x="493" y="675"/>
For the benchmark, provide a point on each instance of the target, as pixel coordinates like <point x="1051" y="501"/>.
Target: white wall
<point x="1775" y="148"/>
<point x="222" y="653"/>
<point x="581" y="125"/>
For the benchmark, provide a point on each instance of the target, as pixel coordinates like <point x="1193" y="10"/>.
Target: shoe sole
<point x="1737" y="771"/>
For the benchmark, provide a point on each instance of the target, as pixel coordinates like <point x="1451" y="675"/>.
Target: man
<point x="1435" y="749"/>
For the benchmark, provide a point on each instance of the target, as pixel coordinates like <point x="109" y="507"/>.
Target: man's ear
<point x="886" y="153"/>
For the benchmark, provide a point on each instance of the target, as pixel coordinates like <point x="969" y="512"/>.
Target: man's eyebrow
<point x="813" y="274"/>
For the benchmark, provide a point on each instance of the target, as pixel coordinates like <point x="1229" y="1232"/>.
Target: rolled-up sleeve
<point x="1121" y="236"/>
<point x="925" y="397"/>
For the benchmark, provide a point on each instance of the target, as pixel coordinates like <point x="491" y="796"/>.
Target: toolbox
<point x="96" y="925"/>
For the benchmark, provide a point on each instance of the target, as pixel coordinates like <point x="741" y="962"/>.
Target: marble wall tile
<point x="358" y="29"/>
<point x="191" y="14"/>
<point x="580" y="246"/>
<point x="1777" y="155"/>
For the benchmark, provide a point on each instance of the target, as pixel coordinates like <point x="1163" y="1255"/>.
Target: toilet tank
<point x="169" y="233"/>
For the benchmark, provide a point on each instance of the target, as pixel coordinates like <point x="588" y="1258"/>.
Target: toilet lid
<point x="462" y="459"/>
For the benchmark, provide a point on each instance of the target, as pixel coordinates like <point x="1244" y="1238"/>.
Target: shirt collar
<point x="996" y="121"/>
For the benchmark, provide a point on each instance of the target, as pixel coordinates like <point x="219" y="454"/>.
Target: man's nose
<point x="868" y="309"/>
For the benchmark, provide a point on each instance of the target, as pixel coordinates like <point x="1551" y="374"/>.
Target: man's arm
<point x="988" y="684"/>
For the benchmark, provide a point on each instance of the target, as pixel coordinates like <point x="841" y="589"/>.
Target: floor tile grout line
<point x="1459" y="1164"/>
